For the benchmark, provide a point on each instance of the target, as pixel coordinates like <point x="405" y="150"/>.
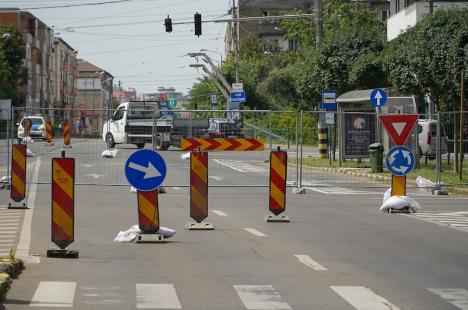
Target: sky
<point x="128" y="39"/>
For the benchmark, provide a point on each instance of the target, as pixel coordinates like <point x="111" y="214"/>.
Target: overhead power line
<point x="75" y="5"/>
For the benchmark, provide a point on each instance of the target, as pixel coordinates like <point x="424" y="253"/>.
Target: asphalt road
<point x="338" y="251"/>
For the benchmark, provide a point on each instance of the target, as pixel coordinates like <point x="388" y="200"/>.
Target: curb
<point x="9" y="269"/>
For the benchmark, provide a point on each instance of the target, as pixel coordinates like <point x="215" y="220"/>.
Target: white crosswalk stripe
<point x="458" y="220"/>
<point x="458" y="297"/>
<point x="9" y="223"/>
<point x="54" y="294"/>
<point x="260" y="297"/>
<point x="157" y="296"/>
<point x="362" y="298"/>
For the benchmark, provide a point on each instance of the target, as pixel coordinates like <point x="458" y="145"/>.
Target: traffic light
<point x="198" y="22"/>
<point x="168" y="24"/>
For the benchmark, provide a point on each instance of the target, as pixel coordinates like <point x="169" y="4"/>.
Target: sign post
<point x="278" y="175"/>
<point x="63" y="207"/>
<point x="199" y="191"/>
<point x="378" y="98"/>
<point x="146" y="170"/>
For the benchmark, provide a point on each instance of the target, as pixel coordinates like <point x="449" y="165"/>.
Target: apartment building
<point x="270" y="32"/>
<point x="406" y="13"/>
<point x="94" y="95"/>
<point x="38" y="39"/>
<point x="122" y="95"/>
<point x="64" y="77"/>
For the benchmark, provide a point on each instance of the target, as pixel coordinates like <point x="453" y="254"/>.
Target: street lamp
<point x="216" y="52"/>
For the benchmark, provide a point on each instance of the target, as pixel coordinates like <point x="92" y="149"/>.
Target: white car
<point x="38" y="128"/>
<point x="427" y="133"/>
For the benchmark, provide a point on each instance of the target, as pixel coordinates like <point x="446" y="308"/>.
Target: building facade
<point x="120" y="95"/>
<point x="94" y="95"/>
<point x="38" y="39"/>
<point x="405" y="14"/>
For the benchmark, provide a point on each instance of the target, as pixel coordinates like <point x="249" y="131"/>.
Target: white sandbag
<point x="29" y="153"/>
<point x="166" y="232"/>
<point x="185" y="156"/>
<point x="129" y="235"/>
<point x="109" y="153"/>
<point x="133" y="189"/>
<point x="387" y="195"/>
<point x="27" y="140"/>
<point x="422" y="182"/>
<point x="400" y="202"/>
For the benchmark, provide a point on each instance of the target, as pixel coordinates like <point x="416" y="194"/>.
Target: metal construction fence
<point x="102" y="140"/>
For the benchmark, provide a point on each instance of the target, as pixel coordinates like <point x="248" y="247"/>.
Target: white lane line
<point x="54" y="294"/>
<point x="177" y="188"/>
<point x="362" y="298"/>
<point x="309" y="262"/>
<point x="222" y="163"/>
<point x="7" y="228"/>
<point x="22" y="250"/>
<point x="157" y="296"/>
<point x="216" y="178"/>
<point x="456" y="296"/>
<point x="7" y="240"/>
<point x="255" y="232"/>
<point x="260" y="297"/>
<point x="219" y="212"/>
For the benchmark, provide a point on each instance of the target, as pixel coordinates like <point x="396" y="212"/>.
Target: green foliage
<point x="12" y="73"/>
<point x="428" y="58"/>
<point x="200" y="95"/>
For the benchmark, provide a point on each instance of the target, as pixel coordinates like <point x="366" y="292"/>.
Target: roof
<point x="84" y="66"/>
<point x="355" y="96"/>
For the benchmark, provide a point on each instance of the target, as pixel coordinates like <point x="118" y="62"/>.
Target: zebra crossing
<point x="456" y="219"/>
<point x="267" y="297"/>
<point x="10" y="220"/>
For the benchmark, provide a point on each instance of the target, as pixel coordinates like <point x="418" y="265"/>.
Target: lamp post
<point x="216" y="52"/>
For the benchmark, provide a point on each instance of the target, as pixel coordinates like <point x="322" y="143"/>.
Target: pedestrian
<point x="78" y="126"/>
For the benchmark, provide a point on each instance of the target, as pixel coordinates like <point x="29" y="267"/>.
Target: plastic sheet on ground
<point x="422" y="182"/>
<point x="29" y="153"/>
<point x="398" y="203"/>
<point x="185" y="156"/>
<point x="109" y="153"/>
<point x="133" y="189"/>
<point x="132" y="233"/>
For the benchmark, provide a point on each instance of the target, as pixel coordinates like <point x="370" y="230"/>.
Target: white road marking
<point x="260" y="297"/>
<point x="455" y="220"/>
<point x="157" y="296"/>
<point x="222" y="162"/>
<point x="22" y="250"/>
<point x="177" y="188"/>
<point x="6" y="228"/>
<point x="219" y="212"/>
<point x="456" y="296"/>
<point x="363" y="298"/>
<point x="54" y="294"/>
<point x="255" y="232"/>
<point x="309" y="262"/>
<point x="216" y="178"/>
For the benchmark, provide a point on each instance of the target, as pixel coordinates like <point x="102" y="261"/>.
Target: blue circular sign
<point x="145" y="170"/>
<point x="378" y="97"/>
<point x="400" y="160"/>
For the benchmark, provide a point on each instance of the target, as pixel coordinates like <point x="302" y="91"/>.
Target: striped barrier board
<point x="278" y="174"/>
<point x="63" y="201"/>
<point x="66" y="133"/>
<point x="48" y="132"/>
<point x="222" y="144"/>
<point x="199" y="190"/>
<point x="398" y="185"/>
<point x="148" y="211"/>
<point x="18" y="172"/>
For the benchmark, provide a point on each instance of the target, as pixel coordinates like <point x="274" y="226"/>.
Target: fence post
<point x="301" y="142"/>
<point x="462" y="102"/>
<point x="438" y="153"/>
<point x="154" y="131"/>
<point x="271" y="137"/>
<point x="8" y="147"/>
<point x="297" y="151"/>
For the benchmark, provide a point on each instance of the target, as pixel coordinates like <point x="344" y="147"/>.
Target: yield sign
<point x="399" y="126"/>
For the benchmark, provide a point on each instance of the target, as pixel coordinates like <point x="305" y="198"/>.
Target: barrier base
<point x="199" y="226"/>
<point x="59" y="253"/>
<point x="161" y="190"/>
<point x="67" y="146"/>
<point x="298" y="190"/>
<point x="49" y="144"/>
<point x="142" y="238"/>
<point x="17" y="205"/>
<point x="405" y="210"/>
<point x="280" y="218"/>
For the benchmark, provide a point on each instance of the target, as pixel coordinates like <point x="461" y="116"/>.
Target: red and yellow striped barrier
<point x="18" y="172"/>
<point x="199" y="186"/>
<point x="63" y="201"/>
<point x="49" y="132"/>
<point x="148" y="211"/>
<point x="398" y="185"/>
<point x="66" y="133"/>
<point x="278" y="174"/>
<point x="222" y="144"/>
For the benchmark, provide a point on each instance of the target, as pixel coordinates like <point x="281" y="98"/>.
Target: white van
<point x="427" y="132"/>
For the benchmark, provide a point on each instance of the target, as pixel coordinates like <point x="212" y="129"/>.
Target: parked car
<point x="427" y="132"/>
<point x="38" y="128"/>
<point x="224" y="128"/>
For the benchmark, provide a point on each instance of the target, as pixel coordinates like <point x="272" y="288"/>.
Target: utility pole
<point x="235" y="38"/>
<point x="462" y="102"/>
<point x="318" y="22"/>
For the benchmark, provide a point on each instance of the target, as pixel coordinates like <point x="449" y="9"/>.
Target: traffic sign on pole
<point x="378" y="97"/>
<point x="399" y="126"/>
<point x="145" y="170"/>
<point x="329" y="100"/>
<point x="238" y="97"/>
<point x="400" y="160"/>
<point x="213" y="100"/>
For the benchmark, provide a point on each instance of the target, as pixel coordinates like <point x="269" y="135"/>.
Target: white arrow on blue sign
<point x="400" y="160"/>
<point x="378" y="97"/>
<point x="145" y="170"/>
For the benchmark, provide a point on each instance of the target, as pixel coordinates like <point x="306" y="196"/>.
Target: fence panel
<point x="5" y="143"/>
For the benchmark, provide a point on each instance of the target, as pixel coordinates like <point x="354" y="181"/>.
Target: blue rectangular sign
<point x="329" y="100"/>
<point x="238" y="97"/>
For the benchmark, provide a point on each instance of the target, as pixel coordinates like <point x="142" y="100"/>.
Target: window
<point x="397" y="6"/>
<point x="293" y="45"/>
<point x="384" y="15"/>
<point x="118" y="115"/>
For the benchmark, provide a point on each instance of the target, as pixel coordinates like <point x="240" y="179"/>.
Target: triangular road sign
<point x="399" y="126"/>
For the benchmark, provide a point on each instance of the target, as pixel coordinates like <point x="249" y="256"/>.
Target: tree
<point x="12" y="73"/>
